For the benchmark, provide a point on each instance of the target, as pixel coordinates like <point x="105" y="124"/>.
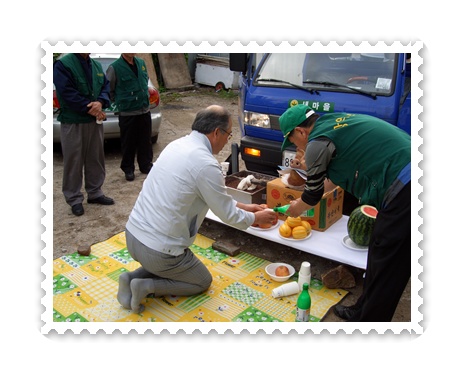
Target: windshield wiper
<point x="286" y="82"/>
<point x="333" y="84"/>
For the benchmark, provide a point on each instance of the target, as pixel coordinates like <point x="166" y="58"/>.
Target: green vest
<point x="131" y="92"/>
<point x="363" y="168"/>
<point x="90" y="91"/>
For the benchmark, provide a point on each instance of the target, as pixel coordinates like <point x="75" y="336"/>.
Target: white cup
<point x="225" y="168"/>
<point x="286" y="290"/>
<point x="302" y="279"/>
<point x="305" y="269"/>
<point x="304" y="276"/>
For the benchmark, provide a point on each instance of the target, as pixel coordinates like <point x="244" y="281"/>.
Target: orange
<point x="285" y="230"/>
<point x="307" y="226"/>
<point x="299" y="232"/>
<point x="293" y="222"/>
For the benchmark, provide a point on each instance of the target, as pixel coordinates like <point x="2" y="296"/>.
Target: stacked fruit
<point x="295" y="227"/>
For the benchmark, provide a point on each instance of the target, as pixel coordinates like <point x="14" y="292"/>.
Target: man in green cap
<point x="370" y="159"/>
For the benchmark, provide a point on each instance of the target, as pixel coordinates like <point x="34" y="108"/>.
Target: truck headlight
<point x="257" y="119"/>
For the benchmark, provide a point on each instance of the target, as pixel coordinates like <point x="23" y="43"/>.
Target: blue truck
<point x="377" y="84"/>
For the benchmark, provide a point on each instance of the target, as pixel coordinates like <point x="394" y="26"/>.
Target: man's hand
<point x="297" y="207"/>
<point x="265" y="217"/>
<point x="95" y="108"/>
<point x="101" y="116"/>
<point x="251" y="207"/>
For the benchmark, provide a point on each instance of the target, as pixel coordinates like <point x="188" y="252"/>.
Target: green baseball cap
<point x="291" y="118"/>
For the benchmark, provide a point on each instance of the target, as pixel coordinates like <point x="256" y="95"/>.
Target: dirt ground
<point x="102" y="222"/>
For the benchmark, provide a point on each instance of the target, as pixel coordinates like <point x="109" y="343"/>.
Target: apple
<point x="282" y="271"/>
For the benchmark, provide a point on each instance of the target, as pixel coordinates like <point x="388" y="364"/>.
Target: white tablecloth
<point x="326" y="244"/>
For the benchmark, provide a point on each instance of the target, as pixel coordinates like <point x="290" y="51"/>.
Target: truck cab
<point x="376" y="84"/>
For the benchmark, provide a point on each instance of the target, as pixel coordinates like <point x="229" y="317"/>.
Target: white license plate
<point x="287" y="157"/>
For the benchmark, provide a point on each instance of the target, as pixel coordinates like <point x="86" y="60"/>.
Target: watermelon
<point x="361" y="224"/>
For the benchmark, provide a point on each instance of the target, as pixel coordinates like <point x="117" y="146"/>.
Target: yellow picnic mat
<point x="85" y="288"/>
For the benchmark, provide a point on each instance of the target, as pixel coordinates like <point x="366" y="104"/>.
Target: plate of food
<point x="280" y="272"/>
<point x="348" y="242"/>
<point x="291" y="238"/>
<point x="265" y="228"/>
<point x="294" y="229"/>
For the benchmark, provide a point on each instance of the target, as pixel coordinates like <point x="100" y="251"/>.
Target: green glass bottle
<point x="283" y="210"/>
<point x="303" y="305"/>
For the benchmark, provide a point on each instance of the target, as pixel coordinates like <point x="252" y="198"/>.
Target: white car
<point x="111" y="125"/>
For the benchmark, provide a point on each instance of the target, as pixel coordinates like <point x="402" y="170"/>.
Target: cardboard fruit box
<point x="321" y="217"/>
<point x="257" y="195"/>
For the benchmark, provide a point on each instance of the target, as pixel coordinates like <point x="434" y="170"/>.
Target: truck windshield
<point x="348" y="72"/>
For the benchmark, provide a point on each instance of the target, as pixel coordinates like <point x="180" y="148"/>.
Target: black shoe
<point x="78" y="209"/>
<point x="345" y="312"/>
<point x="146" y="171"/>
<point x="101" y="200"/>
<point x="130" y="176"/>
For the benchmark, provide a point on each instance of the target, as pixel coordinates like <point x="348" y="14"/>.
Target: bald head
<point x="210" y="118"/>
<point x="215" y="108"/>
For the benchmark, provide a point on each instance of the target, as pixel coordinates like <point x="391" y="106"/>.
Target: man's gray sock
<point x="124" y="291"/>
<point x="140" y="288"/>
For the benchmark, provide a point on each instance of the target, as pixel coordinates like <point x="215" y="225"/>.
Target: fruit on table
<point x="282" y="271"/>
<point x="361" y="224"/>
<point x="299" y="232"/>
<point x="295" y="227"/>
<point x="285" y="230"/>
<point x="293" y="222"/>
<point x="274" y="222"/>
<point x="307" y="226"/>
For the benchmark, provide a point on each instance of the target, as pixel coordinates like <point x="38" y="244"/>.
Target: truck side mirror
<point x="238" y="62"/>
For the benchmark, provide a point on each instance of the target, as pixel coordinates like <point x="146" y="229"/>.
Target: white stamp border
<point x="415" y="326"/>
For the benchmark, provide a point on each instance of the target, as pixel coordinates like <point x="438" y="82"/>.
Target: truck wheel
<point x="219" y="86"/>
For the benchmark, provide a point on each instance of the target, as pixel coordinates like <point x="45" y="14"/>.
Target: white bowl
<point x="270" y="270"/>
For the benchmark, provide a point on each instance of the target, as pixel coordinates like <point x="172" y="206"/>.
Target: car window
<point x="105" y="62"/>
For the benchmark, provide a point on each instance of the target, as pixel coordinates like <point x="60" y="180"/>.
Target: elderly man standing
<point x="129" y="90"/>
<point x="83" y="92"/>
